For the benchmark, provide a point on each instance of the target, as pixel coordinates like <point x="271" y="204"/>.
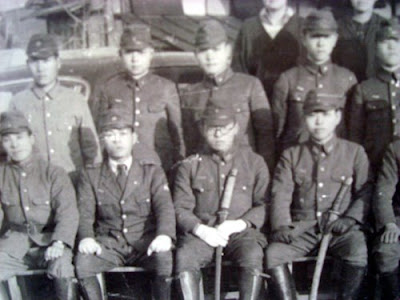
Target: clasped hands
<point x="219" y="235"/>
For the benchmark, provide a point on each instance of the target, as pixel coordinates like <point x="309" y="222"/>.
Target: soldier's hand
<point x="56" y="250"/>
<point x="283" y="235"/>
<point x="391" y="234"/>
<point x="232" y="226"/>
<point x="211" y="236"/>
<point x="89" y="246"/>
<point x="161" y="243"/>
<point x="341" y="225"/>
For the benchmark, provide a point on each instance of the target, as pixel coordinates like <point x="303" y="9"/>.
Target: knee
<point x="164" y="263"/>
<point x="84" y="266"/>
<point x="251" y="257"/>
<point x="273" y="255"/>
<point x="61" y="267"/>
<point x="386" y="257"/>
<point x="186" y="261"/>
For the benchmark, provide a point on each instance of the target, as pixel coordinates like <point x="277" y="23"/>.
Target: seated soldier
<point x="306" y="183"/>
<point x="199" y="186"/>
<point x="386" y="208"/>
<point x="127" y="216"/>
<point x="38" y="210"/>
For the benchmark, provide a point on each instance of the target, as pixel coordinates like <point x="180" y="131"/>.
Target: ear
<point x="236" y="128"/>
<point x="32" y="139"/>
<point x="336" y="36"/>
<point x="338" y="116"/>
<point x="229" y="50"/>
<point x="58" y="61"/>
<point x="134" y="137"/>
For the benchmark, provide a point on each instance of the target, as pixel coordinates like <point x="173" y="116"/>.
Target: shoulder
<point x="343" y="73"/>
<point x="350" y="148"/>
<point x="145" y="156"/>
<point x="190" y="161"/>
<point x="23" y="96"/>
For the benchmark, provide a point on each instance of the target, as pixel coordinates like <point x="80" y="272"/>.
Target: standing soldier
<point x="199" y="187"/>
<point x="306" y="183"/>
<point x="386" y="208"/>
<point x="375" y="112"/>
<point x="316" y="72"/>
<point x="268" y="44"/>
<point x="355" y="48"/>
<point x="225" y="88"/>
<point x="59" y="117"/>
<point x="38" y="210"/>
<point x="127" y="215"/>
<point x="153" y="100"/>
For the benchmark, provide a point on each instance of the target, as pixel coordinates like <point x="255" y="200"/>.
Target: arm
<point x="262" y="122"/>
<point x="279" y="104"/>
<point x="356" y="117"/>
<point x="175" y="123"/>
<point x="239" y="63"/>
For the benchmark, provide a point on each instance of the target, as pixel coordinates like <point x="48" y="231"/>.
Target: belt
<point x="26" y="228"/>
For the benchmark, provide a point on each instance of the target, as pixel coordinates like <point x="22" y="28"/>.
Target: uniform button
<point x="125" y="230"/>
<point x="48" y="115"/>
<point x="319" y="213"/>
<point x="136" y="124"/>
<point x="137" y="99"/>
<point x="320" y="85"/>
<point x="25" y="190"/>
<point x="137" y="111"/>
<point x="394" y="107"/>
<point x="46" y="98"/>
<point x="323" y="154"/>
<point x="122" y="202"/>
<point x="244" y="188"/>
<point x="322" y="169"/>
<point x="394" y="94"/>
<point x="321" y="184"/>
<point x="118" y="236"/>
<point x="27" y="208"/>
<point x="222" y="175"/>
<point x="302" y="200"/>
<point x="47" y="202"/>
<point x="394" y="121"/>
<point x="222" y="163"/>
<point x="323" y="196"/>
<point x="148" y="200"/>
<point x="49" y="132"/>
<point x="23" y="174"/>
<point x="201" y="190"/>
<point x="135" y="182"/>
<point x="123" y="217"/>
<point x="320" y="199"/>
<point x="51" y="151"/>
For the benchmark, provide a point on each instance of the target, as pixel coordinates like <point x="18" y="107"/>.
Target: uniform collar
<point x="51" y="94"/>
<point x="136" y="82"/>
<point x="388" y="76"/>
<point x="218" y="157"/>
<point x="114" y="164"/>
<point x="219" y="79"/>
<point x="264" y="17"/>
<point x="25" y="165"/>
<point x="317" y="69"/>
<point x="326" y="148"/>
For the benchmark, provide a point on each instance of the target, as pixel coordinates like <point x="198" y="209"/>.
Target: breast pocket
<point x="8" y="199"/>
<point x="206" y="195"/>
<point x="156" y="108"/>
<point x="144" y="205"/>
<point x="376" y="109"/>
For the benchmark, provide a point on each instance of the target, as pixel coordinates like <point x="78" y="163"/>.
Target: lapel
<point x="132" y="181"/>
<point x="108" y="181"/>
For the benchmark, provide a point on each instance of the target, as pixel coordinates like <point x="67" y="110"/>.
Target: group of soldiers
<point x="138" y="178"/>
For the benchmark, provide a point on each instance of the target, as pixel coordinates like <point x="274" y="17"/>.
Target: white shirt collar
<point x="113" y="164"/>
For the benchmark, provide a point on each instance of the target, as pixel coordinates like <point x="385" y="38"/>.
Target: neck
<point x="324" y="140"/>
<point x="48" y="87"/>
<point x="391" y="69"/>
<point x="318" y="63"/>
<point x="137" y="77"/>
<point x="362" y="17"/>
<point x="276" y="15"/>
<point x="120" y="160"/>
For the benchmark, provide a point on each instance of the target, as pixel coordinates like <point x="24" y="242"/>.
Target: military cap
<point x="322" y="102"/>
<point x="115" y="118"/>
<point x="320" y="22"/>
<point x="215" y="115"/>
<point x="42" y="46"/>
<point x="211" y="33"/>
<point x="136" y="37"/>
<point x="13" y="122"/>
<point x="389" y="29"/>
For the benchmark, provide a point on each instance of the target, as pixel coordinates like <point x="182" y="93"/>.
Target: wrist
<point x="58" y="243"/>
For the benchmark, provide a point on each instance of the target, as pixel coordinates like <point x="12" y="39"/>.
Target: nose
<point x="217" y="133"/>
<point x="318" y="120"/>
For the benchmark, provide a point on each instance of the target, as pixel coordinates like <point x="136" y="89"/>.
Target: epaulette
<point x="93" y="166"/>
<point x="149" y="161"/>
<point x="190" y="159"/>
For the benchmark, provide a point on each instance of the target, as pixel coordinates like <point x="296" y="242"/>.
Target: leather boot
<point x="390" y="285"/>
<point x="65" y="288"/>
<point x="249" y="284"/>
<point x="281" y="284"/>
<point x="189" y="285"/>
<point x="350" y="281"/>
<point x="161" y="288"/>
<point x="90" y="288"/>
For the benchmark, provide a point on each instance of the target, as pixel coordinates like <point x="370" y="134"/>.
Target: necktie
<point x="121" y="175"/>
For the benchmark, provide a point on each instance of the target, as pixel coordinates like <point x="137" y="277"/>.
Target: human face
<point x="137" y="62"/>
<point x="388" y="52"/>
<point x="221" y="138"/>
<point x="44" y="71"/>
<point x="319" y="46"/>
<point x="119" y="142"/>
<point x="216" y="60"/>
<point x="361" y="6"/>
<point x="322" y="124"/>
<point x="275" y="4"/>
<point x="18" y="146"/>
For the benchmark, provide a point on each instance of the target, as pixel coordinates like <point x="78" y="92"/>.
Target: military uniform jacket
<point x="137" y="214"/>
<point x="200" y="183"/>
<point x="308" y="177"/>
<point x="357" y="51"/>
<point x="257" y="54"/>
<point x="37" y="198"/>
<point x="290" y="93"/>
<point x="62" y="124"/>
<point x="154" y="103"/>
<point x="242" y="92"/>
<point x="386" y="200"/>
<point x="375" y="114"/>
